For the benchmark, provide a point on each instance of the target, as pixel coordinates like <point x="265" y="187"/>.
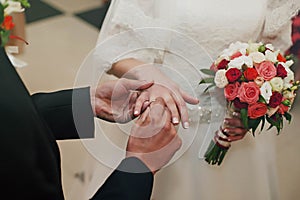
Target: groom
<point x="30" y="125"/>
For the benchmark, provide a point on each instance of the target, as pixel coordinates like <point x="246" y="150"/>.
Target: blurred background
<point x="60" y="34"/>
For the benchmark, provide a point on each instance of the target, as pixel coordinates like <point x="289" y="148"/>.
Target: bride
<point x="179" y="38"/>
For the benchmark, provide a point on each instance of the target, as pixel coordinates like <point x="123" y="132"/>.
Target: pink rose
<point x="257" y="110"/>
<point x="249" y="92"/>
<point x="267" y="70"/>
<point x="231" y="91"/>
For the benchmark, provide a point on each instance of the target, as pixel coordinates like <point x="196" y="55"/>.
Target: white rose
<point x="288" y="81"/>
<point x="259" y="81"/>
<point x="266" y="91"/>
<point x="271" y="56"/>
<point x="286" y="64"/>
<point x="253" y="47"/>
<point x="277" y="84"/>
<point x="236" y="47"/>
<point x="257" y="57"/>
<point x="240" y="61"/>
<point x="270" y="46"/>
<point x="289" y="63"/>
<point x="220" y="78"/>
<point x="288" y="94"/>
<point x="13" y="7"/>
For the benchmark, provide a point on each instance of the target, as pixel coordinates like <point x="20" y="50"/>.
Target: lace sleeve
<point x="126" y="16"/>
<point x="277" y="29"/>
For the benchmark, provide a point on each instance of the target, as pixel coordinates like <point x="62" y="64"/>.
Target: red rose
<point x="257" y="110"/>
<point x="236" y="55"/>
<point x="223" y="64"/>
<point x="282" y="109"/>
<point x="267" y="70"/>
<point x="275" y="99"/>
<point x="281" y="72"/>
<point x="250" y="74"/>
<point x="249" y="92"/>
<point x="233" y="74"/>
<point x="238" y="104"/>
<point x="8" y="23"/>
<point x="231" y="91"/>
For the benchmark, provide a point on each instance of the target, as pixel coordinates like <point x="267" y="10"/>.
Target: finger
<point x="157" y="109"/>
<point x="235" y="138"/>
<point x="181" y="106"/>
<point x="130" y="84"/>
<point x="235" y="131"/>
<point x="144" y="117"/>
<point x="140" y="102"/>
<point x="188" y="98"/>
<point x="171" y="104"/>
<point x="236" y="114"/>
<point x="233" y="122"/>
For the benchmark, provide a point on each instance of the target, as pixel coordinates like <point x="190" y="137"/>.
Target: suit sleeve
<point x="68" y="113"/>
<point x="132" y="180"/>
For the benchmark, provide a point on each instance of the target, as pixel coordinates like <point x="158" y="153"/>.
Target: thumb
<point x="136" y="84"/>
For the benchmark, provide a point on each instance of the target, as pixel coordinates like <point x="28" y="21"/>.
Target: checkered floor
<point x="41" y="10"/>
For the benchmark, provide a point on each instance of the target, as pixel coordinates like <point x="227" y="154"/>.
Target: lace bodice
<point x="214" y="24"/>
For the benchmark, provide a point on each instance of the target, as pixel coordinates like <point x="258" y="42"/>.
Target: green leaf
<point x="288" y="117"/>
<point x="286" y="102"/>
<point x="277" y="123"/>
<point x="244" y="116"/>
<point x="4" y="37"/>
<point x="262" y="99"/>
<point x="210" y="86"/>
<point x="207" y="80"/>
<point x="24" y="3"/>
<point x="253" y="124"/>
<point x="208" y="72"/>
<point x="263" y="123"/>
<point x="262" y="48"/>
<point x="1" y="13"/>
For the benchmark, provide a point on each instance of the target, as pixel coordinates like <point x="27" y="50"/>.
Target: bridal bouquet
<point x="257" y="82"/>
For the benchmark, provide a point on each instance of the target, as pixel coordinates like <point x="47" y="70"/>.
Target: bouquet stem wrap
<point x="219" y="145"/>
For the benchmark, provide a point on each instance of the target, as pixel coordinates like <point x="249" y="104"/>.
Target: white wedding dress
<point x="190" y="34"/>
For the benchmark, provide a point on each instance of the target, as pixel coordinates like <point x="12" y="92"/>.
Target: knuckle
<point x="167" y="126"/>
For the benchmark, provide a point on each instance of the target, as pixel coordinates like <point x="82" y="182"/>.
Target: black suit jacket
<point x="29" y="155"/>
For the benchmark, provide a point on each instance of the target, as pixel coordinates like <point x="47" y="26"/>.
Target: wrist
<point x="126" y="67"/>
<point x="93" y="100"/>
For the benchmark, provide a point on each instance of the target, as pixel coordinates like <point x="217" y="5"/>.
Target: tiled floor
<point x="61" y="33"/>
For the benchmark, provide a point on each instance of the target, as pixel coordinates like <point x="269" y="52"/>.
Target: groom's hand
<point x="114" y="101"/>
<point x="153" y="138"/>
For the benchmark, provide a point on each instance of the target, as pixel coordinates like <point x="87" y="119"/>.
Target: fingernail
<point x="136" y="112"/>
<point x="226" y="130"/>
<point x="226" y="121"/>
<point x="175" y="120"/>
<point x="186" y="125"/>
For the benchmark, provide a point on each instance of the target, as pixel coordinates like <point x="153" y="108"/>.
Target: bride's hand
<point x="171" y="93"/>
<point x="234" y="128"/>
<point x="164" y="87"/>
